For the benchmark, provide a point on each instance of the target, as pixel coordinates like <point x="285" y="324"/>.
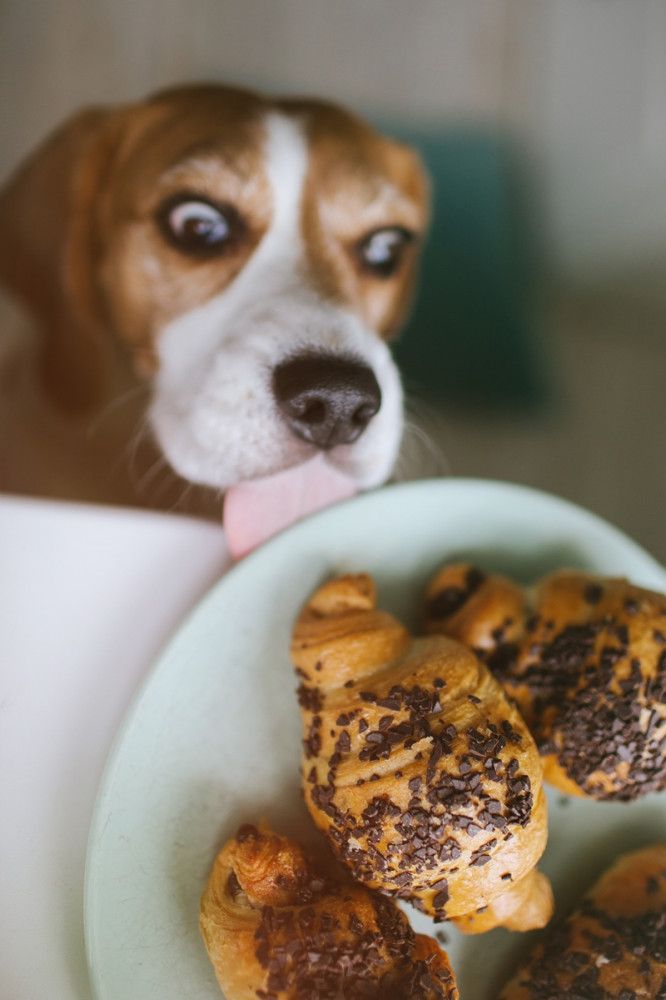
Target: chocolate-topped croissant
<point x="584" y="658"/>
<point x="416" y="766"/>
<point x="277" y="926"/>
<point x="613" y="947"/>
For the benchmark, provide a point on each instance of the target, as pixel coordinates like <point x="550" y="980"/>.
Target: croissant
<point x="584" y="658"/>
<point x="277" y="926"/>
<point x="416" y="766"/>
<point x="613" y="947"/>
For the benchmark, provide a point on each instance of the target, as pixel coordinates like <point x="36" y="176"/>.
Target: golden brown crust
<point x="275" y="926"/>
<point x="524" y="906"/>
<point x="415" y="764"/>
<point x="613" y="947"/>
<point x="583" y="657"/>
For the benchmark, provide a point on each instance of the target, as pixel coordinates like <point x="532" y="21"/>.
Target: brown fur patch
<point x="359" y="181"/>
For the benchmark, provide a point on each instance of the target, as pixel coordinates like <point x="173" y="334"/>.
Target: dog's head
<point x="252" y="256"/>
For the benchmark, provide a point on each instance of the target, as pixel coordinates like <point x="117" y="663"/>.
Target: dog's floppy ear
<point x="48" y="253"/>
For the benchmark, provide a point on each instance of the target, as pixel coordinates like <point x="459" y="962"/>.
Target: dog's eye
<point x="381" y="251"/>
<point x="197" y="227"/>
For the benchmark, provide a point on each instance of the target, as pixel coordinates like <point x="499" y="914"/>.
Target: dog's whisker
<point x="180" y="502"/>
<point x="420" y="455"/>
<point x="113" y="406"/>
<point x="432" y="449"/>
<point x="140" y="435"/>
<point x="130" y="454"/>
<point x="148" y="477"/>
<point x="159" y="477"/>
<point x="164" y="479"/>
<point x="420" y="409"/>
<point x="125" y="459"/>
<point x="187" y="492"/>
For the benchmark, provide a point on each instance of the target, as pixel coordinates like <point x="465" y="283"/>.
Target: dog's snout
<point x="326" y="400"/>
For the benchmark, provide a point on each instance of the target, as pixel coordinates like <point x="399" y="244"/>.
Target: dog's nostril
<point x="326" y="400"/>
<point x="311" y="413"/>
<point x="363" y="415"/>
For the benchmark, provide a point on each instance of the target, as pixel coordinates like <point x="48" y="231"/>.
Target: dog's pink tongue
<point x="257" y="510"/>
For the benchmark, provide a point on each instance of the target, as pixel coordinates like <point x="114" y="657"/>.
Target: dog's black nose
<point x="326" y="400"/>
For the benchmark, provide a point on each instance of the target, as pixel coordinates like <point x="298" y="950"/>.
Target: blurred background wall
<point x="572" y="221"/>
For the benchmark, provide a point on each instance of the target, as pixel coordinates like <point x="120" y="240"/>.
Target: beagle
<point x="232" y="266"/>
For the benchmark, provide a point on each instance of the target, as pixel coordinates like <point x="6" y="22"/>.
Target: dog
<point x="225" y="270"/>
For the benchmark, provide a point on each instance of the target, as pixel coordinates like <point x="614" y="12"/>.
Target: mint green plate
<point x="213" y="737"/>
